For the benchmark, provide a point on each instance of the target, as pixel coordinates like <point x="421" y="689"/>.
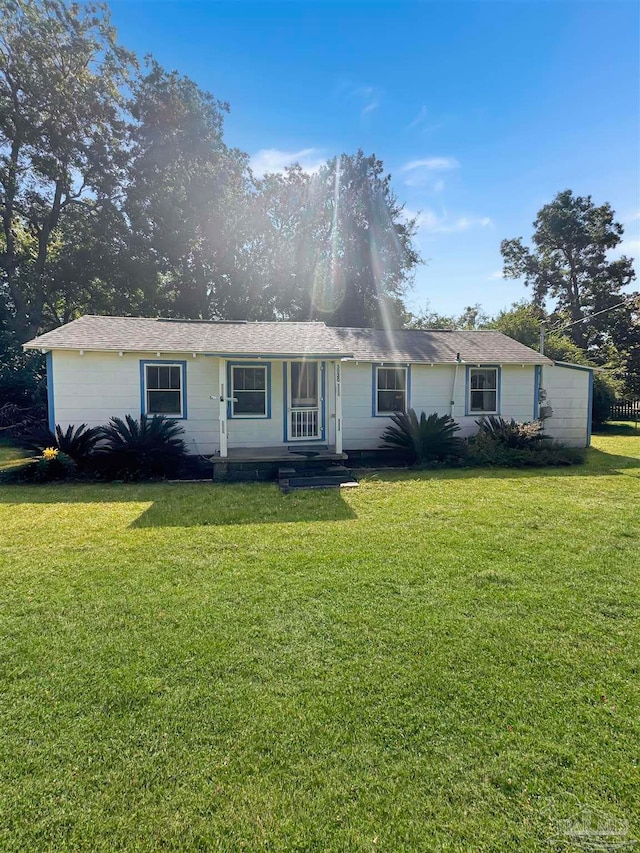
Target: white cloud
<point x="421" y="173"/>
<point x="431" y="164"/>
<point x="370" y="107"/>
<point x="463" y="223"/>
<point x="368" y="97"/>
<point x="498" y="275"/>
<point x="371" y="97"/>
<point x="419" y="119"/>
<point x="421" y="124"/>
<point x="270" y="160"/>
<point x="431" y="222"/>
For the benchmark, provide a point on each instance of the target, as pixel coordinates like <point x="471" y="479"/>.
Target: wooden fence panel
<point x="625" y="410"/>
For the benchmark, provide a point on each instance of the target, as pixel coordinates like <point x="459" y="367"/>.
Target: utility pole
<point x="542" y="330"/>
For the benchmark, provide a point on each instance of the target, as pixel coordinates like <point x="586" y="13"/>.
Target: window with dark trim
<point x="249" y="390"/>
<point x="483" y="390"/>
<point x="163" y="389"/>
<point x="391" y="390"/>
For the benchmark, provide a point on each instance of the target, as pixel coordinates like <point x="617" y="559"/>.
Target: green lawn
<point x="433" y="661"/>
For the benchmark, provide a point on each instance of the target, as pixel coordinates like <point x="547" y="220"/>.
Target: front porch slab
<point x="280" y="453"/>
<point x="262" y="463"/>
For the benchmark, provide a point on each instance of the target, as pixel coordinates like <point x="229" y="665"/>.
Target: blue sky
<point x="481" y="111"/>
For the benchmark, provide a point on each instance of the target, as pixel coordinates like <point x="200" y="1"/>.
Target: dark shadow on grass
<point x="192" y="504"/>
<point x="237" y="505"/>
<point x="629" y="428"/>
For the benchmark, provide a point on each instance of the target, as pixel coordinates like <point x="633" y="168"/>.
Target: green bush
<point x="428" y="439"/>
<point x="483" y="449"/>
<point x="604" y="396"/>
<point x="50" y="466"/>
<point x="133" y="449"/>
<point x="512" y="434"/>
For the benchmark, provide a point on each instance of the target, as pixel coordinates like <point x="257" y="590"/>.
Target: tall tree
<point x="570" y="262"/>
<point x="186" y="196"/>
<point x="334" y="245"/>
<point x="61" y="134"/>
<point x="365" y="263"/>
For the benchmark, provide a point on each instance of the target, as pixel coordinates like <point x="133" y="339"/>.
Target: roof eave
<point x="45" y="347"/>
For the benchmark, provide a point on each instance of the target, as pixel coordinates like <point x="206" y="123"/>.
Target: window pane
<point x="304" y="383"/>
<point x="391" y="401"/>
<point x="163" y="377"/>
<point x="249" y="379"/>
<point x="174" y="377"/>
<point x="152" y="377"/>
<point x="391" y="378"/>
<point x="163" y="402"/>
<point x="249" y="403"/>
<point x="486" y="379"/>
<point x="483" y="401"/>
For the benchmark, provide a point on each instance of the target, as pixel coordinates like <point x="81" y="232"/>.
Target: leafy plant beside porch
<point x="426" y="439"/>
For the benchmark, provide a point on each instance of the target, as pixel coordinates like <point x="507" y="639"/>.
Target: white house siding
<point x="431" y="390"/>
<point x="568" y="395"/>
<point x="93" y="387"/>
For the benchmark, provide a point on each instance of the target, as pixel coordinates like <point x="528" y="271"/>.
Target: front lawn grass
<point x="434" y="661"/>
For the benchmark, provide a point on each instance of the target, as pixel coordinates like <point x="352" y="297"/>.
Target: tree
<point x="473" y="317"/>
<point x="61" y="134"/>
<point x="364" y="264"/>
<point x="185" y="198"/>
<point x="334" y="245"/>
<point x="570" y="263"/>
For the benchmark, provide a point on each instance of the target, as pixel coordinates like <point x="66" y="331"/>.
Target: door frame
<point x="321" y="367"/>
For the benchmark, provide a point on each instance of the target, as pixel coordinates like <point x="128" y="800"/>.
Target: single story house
<point x="242" y="387"/>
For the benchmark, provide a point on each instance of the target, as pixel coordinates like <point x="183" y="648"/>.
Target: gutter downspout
<point x="453" y="387"/>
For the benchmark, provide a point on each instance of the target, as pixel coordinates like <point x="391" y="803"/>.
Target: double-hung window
<point x="483" y="390"/>
<point x="164" y="390"/>
<point x="391" y="390"/>
<point x="249" y="391"/>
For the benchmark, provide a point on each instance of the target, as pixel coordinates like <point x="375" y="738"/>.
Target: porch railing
<point x="304" y="423"/>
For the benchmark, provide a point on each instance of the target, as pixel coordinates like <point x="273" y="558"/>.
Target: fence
<point x="625" y="410"/>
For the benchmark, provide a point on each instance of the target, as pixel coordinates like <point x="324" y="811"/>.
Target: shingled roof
<point x="436" y="346"/>
<point x="143" y="334"/>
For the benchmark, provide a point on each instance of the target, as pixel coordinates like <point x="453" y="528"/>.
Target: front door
<point x="304" y="401"/>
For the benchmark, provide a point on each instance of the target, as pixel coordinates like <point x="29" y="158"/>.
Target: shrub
<point x="604" y="396"/>
<point x="132" y="449"/>
<point x="483" y="449"/>
<point x="518" y="436"/>
<point x="426" y="440"/>
<point x="51" y="465"/>
<point x="77" y="442"/>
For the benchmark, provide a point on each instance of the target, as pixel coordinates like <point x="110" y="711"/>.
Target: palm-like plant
<point x="149" y="447"/>
<point x="426" y="439"/>
<point x="512" y="434"/>
<point x="77" y="442"/>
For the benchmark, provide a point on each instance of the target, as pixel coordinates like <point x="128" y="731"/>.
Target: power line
<point x="591" y="316"/>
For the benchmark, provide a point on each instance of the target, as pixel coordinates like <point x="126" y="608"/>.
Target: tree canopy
<point x="570" y="266"/>
<point x="119" y="193"/>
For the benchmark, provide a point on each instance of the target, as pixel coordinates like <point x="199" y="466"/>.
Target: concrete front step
<point x="330" y="476"/>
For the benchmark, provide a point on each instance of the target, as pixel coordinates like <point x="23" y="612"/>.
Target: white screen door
<point x="304" y="400"/>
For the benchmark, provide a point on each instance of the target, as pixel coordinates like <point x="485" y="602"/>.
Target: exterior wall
<point x="93" y="387"/>
<point x="430" y="390"/>
<point x="569" y="395"/>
